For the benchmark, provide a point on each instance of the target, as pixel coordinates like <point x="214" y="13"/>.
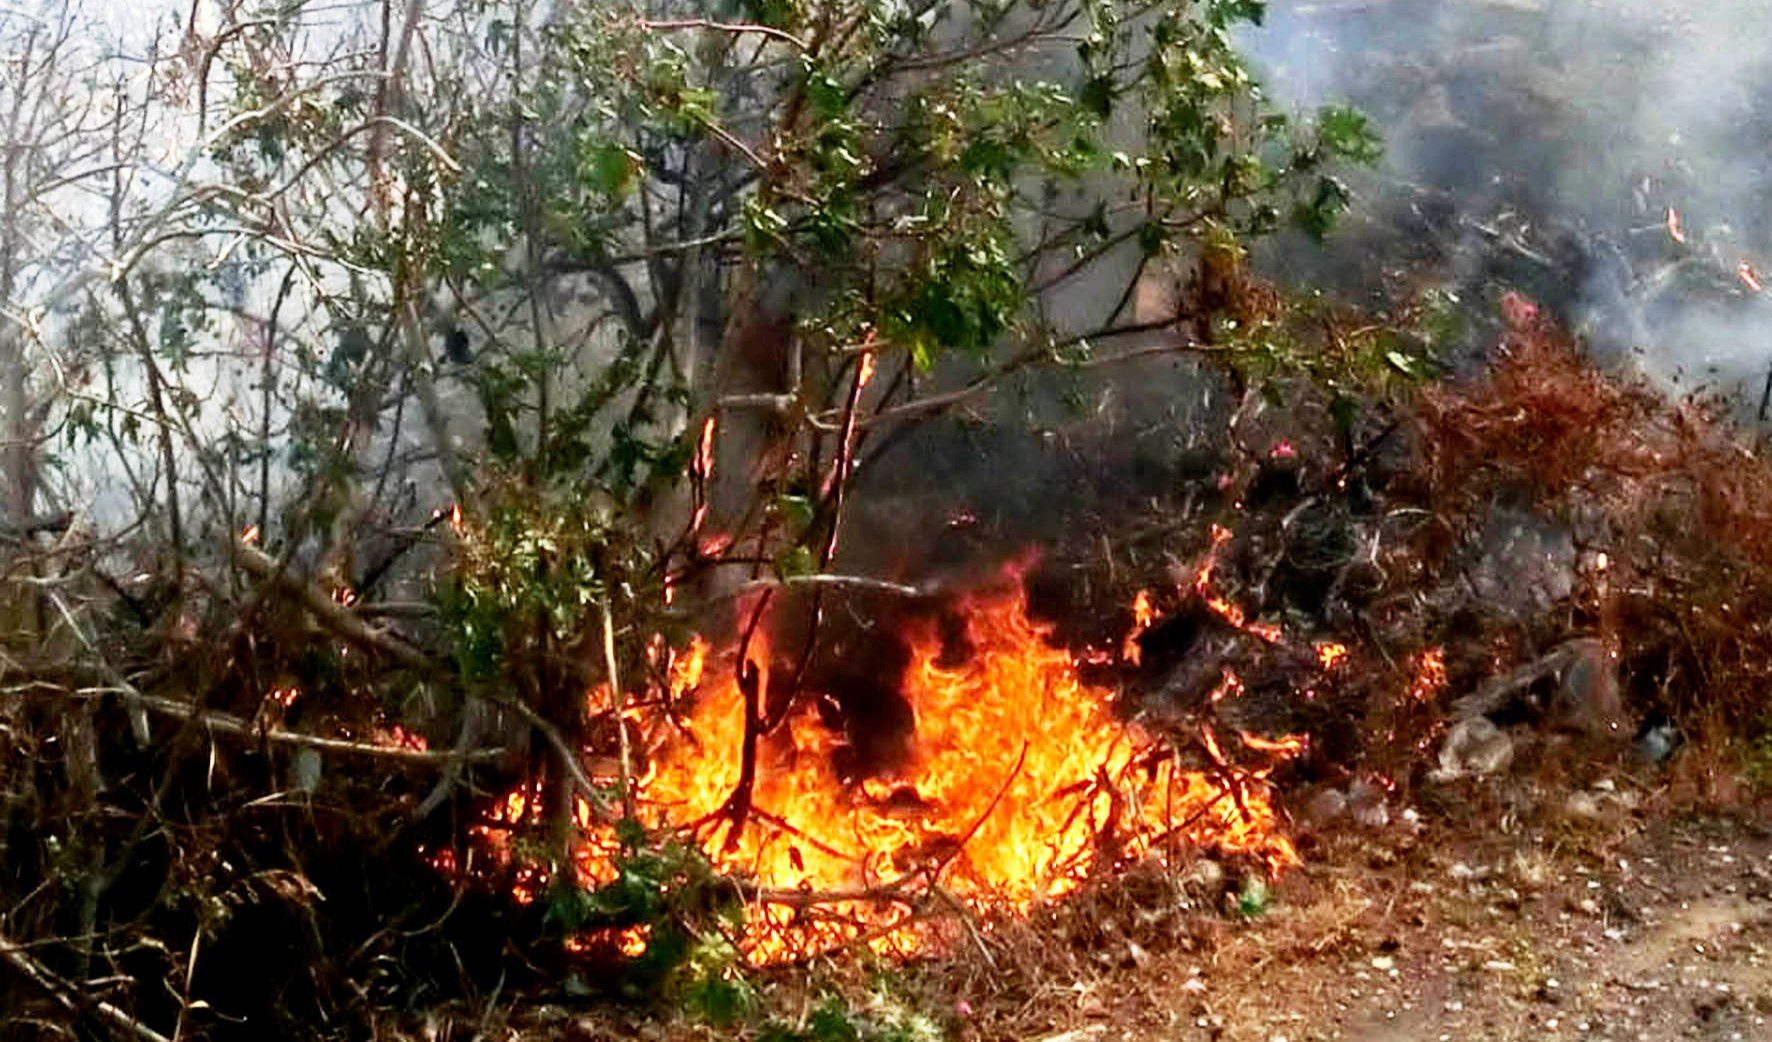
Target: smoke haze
<point x="1541" y="145"/>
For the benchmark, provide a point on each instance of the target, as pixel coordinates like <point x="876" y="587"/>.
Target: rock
<point x="1325" y="807"/>
<point x="1582" y="805"/>
<point x="1586" y="698"/>
<point x="305" y="770"/>
<point x="1474" y="747"/>
<point x="1365" y="801"/>
<point x="1658" y="741"/>
<point x="1583" y="695"/>
<point x="1206" y="874"/>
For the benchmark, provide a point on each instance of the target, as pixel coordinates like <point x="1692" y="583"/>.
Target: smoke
<point x="1542" y="145"/>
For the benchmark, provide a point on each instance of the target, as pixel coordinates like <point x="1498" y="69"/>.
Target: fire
<point x="1749" y="277"/>
<point x="397" y="737"/>
<point x="1430" y="675"/>
<point x="704" y="449"/>
<point x="702" y="467"/>
<point x="1221" y="606"/>
<point x="1143" y="614"/>
<point x="1203" y="574"/>
<point x="1674" y="229"/>
<point x="1330" y="653"/>
<point x="684" y="672"/>
<point x="1022" y="781"/>
<point x="1229" y="686"/>
<point x="1281" y="748"/>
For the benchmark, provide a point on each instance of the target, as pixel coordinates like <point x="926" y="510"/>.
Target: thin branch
<point x="69" y="995"/>
<point x="568" y="759"/>
<point x="333" y="615"/>
<point x="859" y="582"/>
<point x="724" y="27"/>
<point x="618" y="702"/>
<point x="227" y="723"/>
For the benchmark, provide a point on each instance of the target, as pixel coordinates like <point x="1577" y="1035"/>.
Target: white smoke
<point x="1548" y="141"/>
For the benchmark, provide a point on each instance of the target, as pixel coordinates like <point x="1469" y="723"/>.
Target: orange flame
<point x="1021" y="782"/>
<point x="397" y="737"/>
<point x="1330" y="653"/>
<point x="1430" y="675"/>
<point x="704" y="449"/>
<point x="1229" y="686"/>
<point x="1675" y="230"/>
<point x="1143" y="614"/>
<point x="685" y="671"/>
<point x="1281" y="748"/>
<point x="1203" y="574"/>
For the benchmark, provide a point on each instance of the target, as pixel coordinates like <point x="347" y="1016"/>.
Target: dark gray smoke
<point x="1539" y="144"/>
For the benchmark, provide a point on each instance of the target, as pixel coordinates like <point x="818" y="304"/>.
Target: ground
<point x="1595" y="914"/>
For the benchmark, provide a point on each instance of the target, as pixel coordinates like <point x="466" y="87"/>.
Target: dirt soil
<point x="1498" y="910"/>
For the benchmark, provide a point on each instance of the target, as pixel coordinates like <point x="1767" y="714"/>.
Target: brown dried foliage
<point x="1678" y="499"/>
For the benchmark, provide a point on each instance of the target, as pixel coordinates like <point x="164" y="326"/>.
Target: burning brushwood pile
<point x="613" y="502"/>
<point x="1016" y="780"/>
<point x="1299" y="626"/>
<point x="1495" y="569"/>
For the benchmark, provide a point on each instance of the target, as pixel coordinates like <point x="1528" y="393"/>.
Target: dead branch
<point x="69" y="995"/>
<point x="618" y="703"/>
<point x="569" y="761"/>
<point x="935" y="870"/>
<point x="333" y="615"/>
<point x="723" y="27"/>
<point x="859" y="582"/>
<point x="227" y="723"/>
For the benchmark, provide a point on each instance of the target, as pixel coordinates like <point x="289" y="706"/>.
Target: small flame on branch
<point x="1749" y="277"/>
<point x="397" y="737"/>
<point x="1675" y="230"/>
<point x="1143" y="614"/>
<point x="1280" y="748"/>
<point x="1229" y="686"/>
<point x="1330" y="653"/>
<point x="704" y="450"/>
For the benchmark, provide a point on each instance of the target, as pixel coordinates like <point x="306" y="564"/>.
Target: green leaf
<point x="796" y="511"/>
<point x="795" y="560"/>
<point x="611" y="170"/>
<point x="1346" y="133"/>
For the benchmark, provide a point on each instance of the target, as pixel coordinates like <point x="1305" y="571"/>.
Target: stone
<point x="1473" y="747"/>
